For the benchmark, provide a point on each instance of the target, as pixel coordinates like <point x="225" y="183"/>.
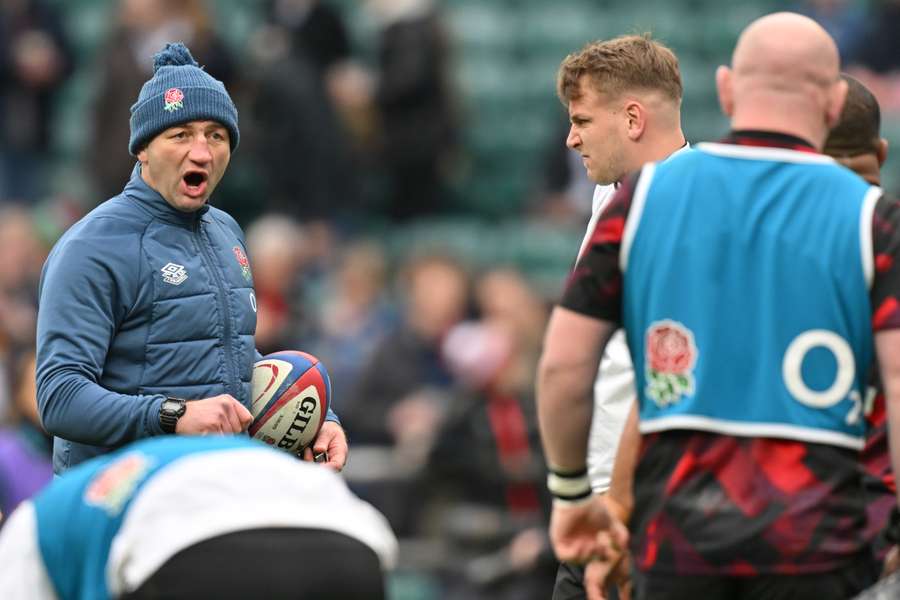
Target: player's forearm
<point x="565" y="409"/>
<point x="572" y="348"/>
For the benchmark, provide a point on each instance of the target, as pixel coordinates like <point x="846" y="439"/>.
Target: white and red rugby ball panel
<point x="290" y="393"/>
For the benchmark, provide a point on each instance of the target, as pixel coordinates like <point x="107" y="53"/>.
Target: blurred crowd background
<point x="410" y="209"/>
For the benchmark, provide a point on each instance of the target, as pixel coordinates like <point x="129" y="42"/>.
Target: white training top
<point x="215" y="493"/>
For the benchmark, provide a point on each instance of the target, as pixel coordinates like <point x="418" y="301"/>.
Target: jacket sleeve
<point x="86" y="291"/>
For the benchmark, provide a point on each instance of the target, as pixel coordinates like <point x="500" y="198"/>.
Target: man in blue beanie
<point x="147" y="309"/>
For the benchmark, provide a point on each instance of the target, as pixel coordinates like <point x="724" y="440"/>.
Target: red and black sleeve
<point x="594" y="287"/>
<point x="885" y="294"/>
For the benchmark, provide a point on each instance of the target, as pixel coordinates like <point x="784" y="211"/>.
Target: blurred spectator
<point x="413" y="99"/>
<point x="25" y="448"/>
<point x="277" y="245"/>
<point x="35" y="59"/>
<point x="878" y="61"/>
<point x="844" y="20"/>
<point x="22" y="255"/>
<point x="880" y="50"/>
<point x="143" y="27"/>
<point x="487" y="458"/>
<point x="355" y="315"/>
<point x="301" y="150"/>
<point x="316" y="30"/>
<point x="398" y="399"/>
<point x="566" y="191"/>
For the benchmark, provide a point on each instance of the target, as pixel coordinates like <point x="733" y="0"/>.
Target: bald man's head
<point x="786" y="49"/>
<point x="784" y="63"/>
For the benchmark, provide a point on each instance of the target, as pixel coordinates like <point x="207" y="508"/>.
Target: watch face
<point x="173" y="407"/>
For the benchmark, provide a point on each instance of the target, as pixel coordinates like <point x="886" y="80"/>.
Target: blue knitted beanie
<point x="179" y="91"/>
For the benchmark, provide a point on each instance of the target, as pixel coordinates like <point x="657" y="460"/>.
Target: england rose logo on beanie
<point x="670" y="358"/>
<point x="173" y="99"/>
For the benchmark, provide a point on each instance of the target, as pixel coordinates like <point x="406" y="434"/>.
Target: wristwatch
<point x="169" y="412"/>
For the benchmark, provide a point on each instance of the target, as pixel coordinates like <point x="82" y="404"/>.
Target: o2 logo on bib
<point x="845" y="373"/>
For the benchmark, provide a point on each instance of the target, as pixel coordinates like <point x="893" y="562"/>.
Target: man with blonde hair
<point x="623" y="96"/>
<point x="745" y="276"/>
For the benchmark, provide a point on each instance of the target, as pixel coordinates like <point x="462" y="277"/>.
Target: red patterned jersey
<point x="708" y="503"/>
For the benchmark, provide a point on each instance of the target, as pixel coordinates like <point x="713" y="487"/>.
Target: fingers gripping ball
<point x="291" y="392"/>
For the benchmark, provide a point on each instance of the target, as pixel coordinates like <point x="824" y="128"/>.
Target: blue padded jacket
<point x="139" y="301"/>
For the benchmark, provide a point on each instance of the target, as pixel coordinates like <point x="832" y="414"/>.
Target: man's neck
<point x="660" y="147"/>
<point x="779" y="119"/>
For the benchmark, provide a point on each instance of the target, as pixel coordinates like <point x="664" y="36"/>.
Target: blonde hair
<point x="625" y="63"/>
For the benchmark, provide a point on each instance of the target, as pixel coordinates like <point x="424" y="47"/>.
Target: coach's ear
<point x="723" y="87"/>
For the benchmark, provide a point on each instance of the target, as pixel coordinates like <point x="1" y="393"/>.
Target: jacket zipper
<point x="222" y="296"/>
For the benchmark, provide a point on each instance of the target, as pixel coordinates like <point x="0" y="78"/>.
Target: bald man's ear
<point x="881" y="151"/>
<point x="723" y="86"/>
<point x="837" y="95"/>
<point x="636" y="119"/>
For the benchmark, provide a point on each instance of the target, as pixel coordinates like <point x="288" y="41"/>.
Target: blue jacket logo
<point x="174" y="274"/>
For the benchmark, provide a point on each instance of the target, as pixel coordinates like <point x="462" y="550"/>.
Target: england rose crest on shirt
<point x="243" y="261"/>
<point x="670" y="358"/>
<point x="116" y="483"/>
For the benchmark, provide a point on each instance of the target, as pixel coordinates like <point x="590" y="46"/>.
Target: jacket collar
<point x="152" y="202"/>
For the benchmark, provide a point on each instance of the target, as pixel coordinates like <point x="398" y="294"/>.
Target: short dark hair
<point x="625" y="63"/>
<point x="858" y="131"/>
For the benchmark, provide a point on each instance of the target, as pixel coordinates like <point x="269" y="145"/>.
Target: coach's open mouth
<point x="194" y="178"/>
<point x="195" y="183"/>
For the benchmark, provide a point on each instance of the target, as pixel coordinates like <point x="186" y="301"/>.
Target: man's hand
<point x="891" y="561"/>
<point x="574" y="531"/>
<point x="217" y="415"/>
<point x="333" y="442"/>
<point x="599" y="574"/>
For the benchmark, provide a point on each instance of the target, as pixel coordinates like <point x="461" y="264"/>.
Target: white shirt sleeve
<point x="23" y="575"/>
<point x="602" y="195"/>
<point x="613" y="395"/>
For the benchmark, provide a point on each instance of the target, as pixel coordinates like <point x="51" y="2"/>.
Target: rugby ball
<point x="291" y="392"/>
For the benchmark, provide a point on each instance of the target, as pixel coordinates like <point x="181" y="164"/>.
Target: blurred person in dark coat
<point x="413" y="98"/>
<point x="486" y="461"/>
<point x="399" y="401"/>
<point x="301" y="150"/>
<point x="398" y="397"/>
<point x="35" y="61"/>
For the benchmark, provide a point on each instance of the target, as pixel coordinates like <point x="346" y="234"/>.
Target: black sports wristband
<point x="569" y="487"/>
